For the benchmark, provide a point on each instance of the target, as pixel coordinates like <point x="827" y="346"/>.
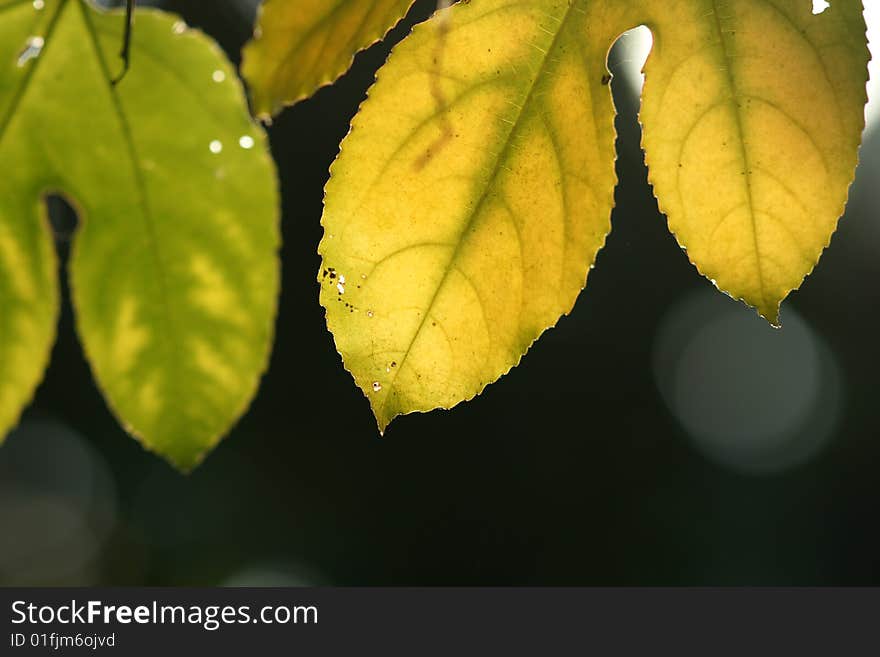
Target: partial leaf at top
<point x="475" y="188"/>
<point x="174" y="274"/>
<point x="300" y="45"/>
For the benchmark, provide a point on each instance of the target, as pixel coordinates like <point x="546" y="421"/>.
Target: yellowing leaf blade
<point x="467" y="203"/>
<point x="28" y="267"/>
<point x="753" y="115"/>
<point x="476" y="185"/>
<point x="28" y="303"/>
<point x="301" y="45"/>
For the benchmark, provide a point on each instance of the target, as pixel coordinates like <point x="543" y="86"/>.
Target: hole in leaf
<point x="628" y="56"/>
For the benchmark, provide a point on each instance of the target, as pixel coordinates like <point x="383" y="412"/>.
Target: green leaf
<point x="174" y="271"/>
<point x="301" y="45"/>
<point x="475" y="188"/>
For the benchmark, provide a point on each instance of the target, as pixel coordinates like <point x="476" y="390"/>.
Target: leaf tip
<point x="383" y="418"/>
<point x="183" y="462"/>
<point x="768" y="311"/>
<point x="772" y="316"/>
<point x="182" y="455"/>
<point x="262" y="106"/>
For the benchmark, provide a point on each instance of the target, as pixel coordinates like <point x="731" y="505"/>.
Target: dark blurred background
<point x="661" y="434"/>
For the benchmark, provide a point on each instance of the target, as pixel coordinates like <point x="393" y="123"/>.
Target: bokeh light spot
<point x="57" y="506"/>
<point x="751" y="398"/>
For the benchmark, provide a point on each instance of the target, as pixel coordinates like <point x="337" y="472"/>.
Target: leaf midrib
<point x="515" y="126"/>
<point x="170" y="346"/>
<point x="747" y="173"/>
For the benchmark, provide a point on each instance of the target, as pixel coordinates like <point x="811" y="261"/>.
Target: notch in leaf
<point x="476" y="185"/>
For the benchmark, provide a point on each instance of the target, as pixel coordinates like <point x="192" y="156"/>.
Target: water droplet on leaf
<point x="32" y="48"/>
<point x="215" y="146"/>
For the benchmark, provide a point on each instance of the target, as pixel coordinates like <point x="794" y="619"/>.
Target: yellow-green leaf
<point x="174" y="274"/>
<point x="475" y="188"/>
<point x="753" y="113"/>
<point x="301" y="45"/>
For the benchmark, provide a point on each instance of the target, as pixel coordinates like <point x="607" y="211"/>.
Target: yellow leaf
<point x="475" y="188"/>
<point x="753" y="114"/>
<point x="301" y="45"/>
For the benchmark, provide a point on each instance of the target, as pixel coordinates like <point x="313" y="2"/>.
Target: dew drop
<point x="179" y="27"/>
<point x="376" y="386"/>
<point x="340" y="286"/>
<point x="39" y="5"/>
<point x="32" y="48"/>
<point x="369" y="313"/>
<point x="218" y="76"/>
<point x="246" y="142"/>
<point x="215" y="146"/>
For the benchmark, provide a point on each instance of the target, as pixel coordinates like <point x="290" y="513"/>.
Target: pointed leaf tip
<point x="474" y="190"/>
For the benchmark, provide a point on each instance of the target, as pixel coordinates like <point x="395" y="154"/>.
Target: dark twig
<point x="125" y="53"/>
